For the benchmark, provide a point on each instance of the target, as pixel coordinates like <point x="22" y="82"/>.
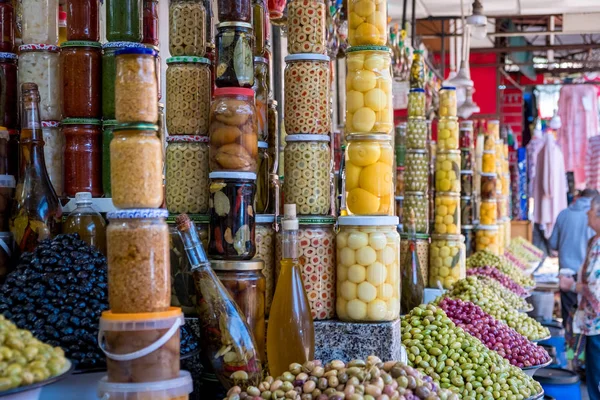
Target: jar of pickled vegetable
<point x="369" y="106"/>
<point x="306" y="27"/>
<point x="448" y="133"/>
<point x="261" y="97"/>
<point x="507" y="232"/>
<point x="54" y="155"/>
<point x="399" y="190"/>
<point x="367" y="22"/>
<point x="368" y="269"/>
<point x="466" y="183"/>
<point x="487" y="238"/>
<point x="124" y="20"/>
<point x="488" y="162"/>
<point x="263" y="183"/>
<point x="83" y="156"/>
<point x="40" y="64"/>
<point x="466" y="135"/>
<point x="447" y="171"/>
<point x="107" y="135"/>
<point x="399" y="208"/>
<point x="505" y="185"/>
<point x="188" y="95"/>
<point x="246" y="284"/>
<point x="466" y="210"/>
<point x="150" y="23"/>
<point x="502" y="207"/>
<point x="308" y="179"/>
<point x="265" y="251"/>
<point x="39" y="22"/>
<point x="81" y="66"/>
<point x="466" y="159"/>
<point x="231" y="11"/>
<point x="469" y="233"/>
<point x="417" y="71"/>
<point x="493" y="129"/>
<point x="447" y="213"/>
<point x="109" y="73"/>
<point x="447" y="260"/>
<point x="233" y="130"/>
<point x="447" y="102"/>
<point x="488" y="186"/>
<point x="400" y="144"/>
<point x="139" y="279"/>
<point x="422" y="248"/>
<point x="273" y="126"/>
<point x="416" y="103"/>
<point x="417" y="171"/>
<point x="136" y="86"/>
<point x="416" y="133"/>
<point x="232" y="216"/>
<point x="488" y="212"/>
<point x="307" y="106"/>
<point x="418" y="203"/>
<point x="235" y="54"/>
<point x="7" y="27"/>
<point x="187" y="32"/>
<point x="136" y="166"/>
<point x="9" y="106"/>
<point x="83" y="20"/>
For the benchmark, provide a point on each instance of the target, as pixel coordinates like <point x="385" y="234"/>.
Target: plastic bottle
<point x="87" y="222"/>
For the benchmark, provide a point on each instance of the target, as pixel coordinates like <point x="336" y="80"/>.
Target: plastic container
<point x="448" y="102"/>
<point x="9" y="106"/>
<point x="136" y="85"/>
<point x="416" y="171"/>
<point x="82" y="156"/>
<point x="488" y="212"/>
<point x="447" y="133"/>
<point x="235" y="54"/>
<point x="87" y="222"/>
<point x="187" y="33"/>
<point x="7" y="191"/>
<point x="487" y="238"/>
<point x="422" y="248"/>
<point x="306" y="27"/>
<point x="416" y="103"/>
<point x="416" y="133"/>
<point x="265" y="251"/>
<point x="261" y="95"/>
<point x="81" y="79"/>
<point x="7" y="27"/>
<point x="173" y="389"/>
<point x="109" y="73"/>
<point x="488" y="186"/>
<point x="39" y="22"/>
<point x="141" y="347"/>
<point x="419" y="204"/>
<point x="124" y="20"/>
<point x="447" y="260"/>
<point x="54" y="155"/>
<point x="447" y="213"/>
<point x="559" y="383"/>
<point x="367" y="22"/>
<point x="83" y="20"/>
<point x="447" y="171"/>
<point x="368" y="272"/>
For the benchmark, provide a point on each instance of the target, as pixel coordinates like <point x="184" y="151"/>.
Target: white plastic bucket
<point x="178" y="388"/>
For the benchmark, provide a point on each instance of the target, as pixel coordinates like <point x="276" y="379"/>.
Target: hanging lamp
<point x="469" y="107"/>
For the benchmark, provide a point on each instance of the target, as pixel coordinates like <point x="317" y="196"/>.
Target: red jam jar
<point x="83" y="20"/>
<point x="9" y="106"/>
<point x="7" y="26"/>
<point x="83" y="156"/>
<point x="81" y="66"/>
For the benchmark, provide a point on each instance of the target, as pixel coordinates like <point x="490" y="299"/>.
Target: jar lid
<point x="195" y="218"/>
<point x="232" y="91"/>
<point x="414" y="194"/>
<point x="50" y="124"/>
<point x="7" y="181"/>
<point x="368" y="221"/>
<point x="399" y="198"/>
<point x="37" y="47"/>
<point x="466" y="124"/>
<point x="251" y="176"/>
<point x="421" y="236"/>
<point x="447" y="194"/>
<point x="272" y="102"/>
<point x="488" y="174"/>
<point x="456" y="152"/>
<point x="467" y="227"/>
<point x="138" y="213"/>
<point x="263" y="145"/>
<point x="443" y="119"/>
<point x="187" y="138"/>
<point x="416" y="151"/>
<point x="466" y="172"/>
<point x="136" y="50"/>
<point x="81" y="121"/>
<point x="454" y="238"/>
<point x="138" y="321"/>
<point x="136" y="126"/>
<point x="488" y="200"/>
<point x="307" y="138"/>
<point x="242" y="265"/>
<point x="110" y="122"/>
<point x="306" y="57"/>
<point x="264" y="218"/>
<point x="261" y="60"/>
<point x="372" y="137"/>
<point x="116" y="45"/>
<point x="188" y="59"/>
<point x="465" y="197"/>
<point x="367" y="48"/>
<point x="448" y="88"/>
<point x="316" y="220"/>
<point x="10" y="56"/>
<point x="81" y="43"/>
<point x="235" y="24"/>
<point x="417" y="90"/>
<point x="487" y="227"/>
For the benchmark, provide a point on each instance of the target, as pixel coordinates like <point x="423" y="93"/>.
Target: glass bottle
<point x="36" y="213"/>
<point x="413" y="285"/>
<point x="417" y="71"/>
<point x="227" y="345"/>
<point x="87" y="222"/>
<point x="290" y="335"/>
<point x="62" y="27"/>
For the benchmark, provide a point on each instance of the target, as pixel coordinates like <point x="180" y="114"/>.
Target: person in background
<point x="587" y="318"/>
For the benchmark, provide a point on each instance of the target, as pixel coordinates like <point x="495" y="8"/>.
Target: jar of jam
<point x="83" y="156"/>
<point x="235" y="54"/>
<point x="124" y="20"/>
<point x="109" y="73"/>
<point x="54" y="155"/>
<point x="150" y="22"/>
<point x="9" y="106"/>
<point x="108" y="127"/>
<point x="81" y="67"/>
<point x="232" y="216"/>
<point x="83" y="20"/>
<point x="40" y="64"/>
<point x="187" y="32"/>
<point x="136" y="85"/>
<point x="7" y="26"/>
<point x="263" y="182"/>
<point x="39" y="22"/>
<point x="231" y="11"/>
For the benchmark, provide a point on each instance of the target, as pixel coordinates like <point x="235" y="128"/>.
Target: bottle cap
<point x="83" y="197"/>
<point x="289" y="222"/>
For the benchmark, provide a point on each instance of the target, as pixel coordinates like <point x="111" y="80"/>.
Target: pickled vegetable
<point x="418" y="203"/>
<point x="367" y="22"/>
<point x="447" y="171"/>
<point x="488" y="212"/>
<point x="466" y="210"/>
<point x="447" y="213"/>
<point x="487" y="238"/>
<point x="447" y="138"/>
<point x="417" y="171"/>
<point x="416" y="133"/>
<point x="447" y="260"/>
<point x="488" y="160"/>
<point x="448" y="102"/>
<point x="416" y="103"/>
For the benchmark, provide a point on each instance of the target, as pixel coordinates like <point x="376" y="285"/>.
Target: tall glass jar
<point x="83" y="20"/>
<point x="447" y="260"/>
<point x="235" y="54"/>
<point x="231" y="11"/>
<point x="416" y="171"/>
<point x="109" y="74"/>
<point x="81" y="68"/>
<point x="447" y="213"/>
<point x="7" y="26"/>
<point x="263" y="183"/>
<point x="367" y="22"/>
<point x="261" y="97"/>
<point x="368" y="269"/>
<point x="150" y="16"/>
<point x="265" y="251"/>
<point x="187" y="32"/>
<point x="188" y="95"/>
<point x="39" y="19"/>
<point x="83" y="156"/>
<point x="54" y="155"/>
<point x="418" y="203"/>
<point x="308" y="178"/>
<point x="136" y="86"/>
<point x="308" y="85"/>
<point x="233" y="132"/>
<point x="306" y="27"/>
<point x="40" y="64"/>
<point x="187" y="174"/>
<point x="417" y="71"/>
<point x="276" y="8"/>
<point x="9" y="106"/>
<point x="260" y="24"/>
<point x="124" y="20"/>
<point x="108" y="126"/>
<point x="422" y="249"/>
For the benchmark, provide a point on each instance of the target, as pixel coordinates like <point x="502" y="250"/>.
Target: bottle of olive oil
<point x="291" y="334"/>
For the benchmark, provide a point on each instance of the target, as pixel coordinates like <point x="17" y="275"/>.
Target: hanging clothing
<point x="592" y="164"/>
<point x="533" y="148"/>
<point x="550" y="185"/>
<point x="578" y="111"/>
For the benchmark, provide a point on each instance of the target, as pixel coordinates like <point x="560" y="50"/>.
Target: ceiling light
<point x="463" y="77"/>
<point x="478" y="21"/>
<point x="469" y="107"/>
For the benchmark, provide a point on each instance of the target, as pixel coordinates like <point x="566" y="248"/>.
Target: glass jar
<point x="488" y="186"/>
<point x="368" y="269"/>
<point x="447" y="213"/>
<point x="261" y="95"/>
<point x="417" y="71"/>
<point x="306" y="27"/>
<point x="493" y="129"/>
<point x="273" y="126"/>
<point x="233" y="130"/>
<point x="13" y="153"/>
<point x="466" y="183"/>
<point x="469" y="233"/>
<point x="136" y="86"/>
<point x="367" y="22"/>
<point x="447" y="260"/>
<point x="107" y="136"/>
<point x="265" y="251"/>
<point x="307" y="106"/>
<point x="466" y="159"/>
<point x="81" y="69"/>
<point x="150" y="23"/>
<point x="246" y="284"/>
<point x="505" y="185"/>
<point x="188" y="95"/>
<point x="487" y="238"/>
<point x="488" y="211"/>
<point x="448" y="102"/>
<point x="488" y="162"/>
<point x="139" y="277"/>
<point x="260" y="25"/>
<point x="235" y="54"/>
<point x="416" y="103"/>
<point x="466" y="210"/>
<point x="7" y="27"/>
<point x="124" y="20"/>
<point x="9" y="106"/>
<point x="263" y="184"/>
<point x="418" y="203"/>
<point x="399" y="190"/>
<point x="466" y="135"/>
<point x="399" y="207"/>
<point x="416" y="133"/>
<point x="39" y="19"/>
<point x="109" y="74"/>
<point x="447" y="171"/>
<point x="501" y="235"/>
<point x="187" y="32"/>
<point x="136" y="166"/>
<point x="448" y="133"/>
<point x="422" y="248"/>
<point x="502" y="209"/>
<point x="4" y="156"/>
<point x="276" y="8"/>
<point x="186" y="182"/>
<point x="6" y="252"/>
<point x="369" y="106"/>
<point x="54" y="155"/>
<point x="417" y="171"/>
<point x="40" y="64"/>
<point x="231" y="11"/>
<point x="83" y="20"/>
<point x="308" y="179"/>
<point x="83" y="156"/>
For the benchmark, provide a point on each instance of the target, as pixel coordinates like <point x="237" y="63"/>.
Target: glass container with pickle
<point x="447" y="213"/>
<point x="413" y="284"/>
<point x="261" y="97"/>
<point x="418" y="204"/>
<point x="263" y="179"/>
<point x="235" y="54"/>
<point x="265" y="251"/>
<point x="136" y="85"/>
<point x="417" y="71"/>
<point x="448" y="102"/>
<point x="187" y="32"/>
<point x="9" y="107"/>
<point x="416" y="133"/>
<point x="416" y="171"/>
<point x="416" y="103"/>
<point x="447" y="260"/>
<point x="306" y="27"/>
<point x="447" y="171"/>
<point x="367" y="22"/>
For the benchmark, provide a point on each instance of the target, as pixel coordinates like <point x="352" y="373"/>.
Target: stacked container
<point x="469" y="193"/>
<point x="400" y="151"/>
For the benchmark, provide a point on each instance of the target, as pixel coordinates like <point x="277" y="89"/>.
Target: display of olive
<point x="504" y="280"/>
<point x="485" y="258"/>
<point x="498" y="290"/>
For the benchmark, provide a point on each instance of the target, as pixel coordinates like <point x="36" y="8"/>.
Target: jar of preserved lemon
<point x="488" y="212"/>
<point x="367" y="22"/>
<point x="447" y="213"/>
<point x="486" y="238"/>
<point x="447" y="171"/>
<point x="447" y="260"/>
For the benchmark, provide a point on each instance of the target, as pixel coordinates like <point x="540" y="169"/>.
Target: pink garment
<point x="592" y="163"/>
<point x="578" y="111"/>
<point x="550" y="186"/>
<point x="533" y="148"/>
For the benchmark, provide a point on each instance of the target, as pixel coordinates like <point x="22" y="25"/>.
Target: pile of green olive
<point x="484" y="258"/>
<point x="496" y="289"/>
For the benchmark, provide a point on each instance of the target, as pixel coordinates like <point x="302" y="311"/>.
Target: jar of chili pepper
<point x="81" y="67"/>
<point x="83" y="156"/>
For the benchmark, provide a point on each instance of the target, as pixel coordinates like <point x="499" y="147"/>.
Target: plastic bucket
<point x="141" y="347"/>
<point x="556" y="342"/>
<point x="559" y="383"/>
<point x="172" y="389"/>
<point x="543" y="305"/>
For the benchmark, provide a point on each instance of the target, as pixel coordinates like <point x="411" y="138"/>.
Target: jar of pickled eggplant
<point x="39" y="22"/>
<point x="416" y="171"/>
<point x="232" y="216"/>
<point x="369" y="183"/>
<point x="487" y="238"/>
<point x="469" y="233"/>
<point x="188" y="95"/>
<point x="246" y="284"/>
<point x="447" y="171"/>
<point x="488" y="212"/>
<point x="265" y="251"/>
<point x="466" y="210"/>
<point x="367" y="22"/>
<point x="369" y="106"/>
<point x="54" y="155"/>
<point x="448" y="102"/>
<point x="235" y="55"/>
<point x="261" y="95"/>
<point x="187" y="32"/>
<point x="306" y="27"/>
<point x="422" y="249"/>
<point x="448" y="133"/>
<point x="308" y="178"/>
<point x="466" y="135"/>
<point x="416" y="103"/>
<point x="136" y="86"/>
<point x="233" y="130"/>
<point x="9" y="112"/>
<point x="81" y="65"/>
<point x="124" y="20"/>
<point x="447" y="213"/>
<point x="368" y="269"/>
<point x="447" y="260"/>
<point x="418" y="203"/>
<point x="417" y="71"/>
<point x="107" y="135"/>
<point x="109" y="74"/>
<point x="399" y="190"/>
<point x="466" y="159"/>
<point x="40" y="64"/>
<point x="416" y="133"/>
<point x="83" y="156"/>
<point x="308" y="85"/>
<point x="466" y="183"/>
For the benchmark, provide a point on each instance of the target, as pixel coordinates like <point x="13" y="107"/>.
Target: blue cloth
<point x="592" y="366"/>
<point x="571" y="234"/>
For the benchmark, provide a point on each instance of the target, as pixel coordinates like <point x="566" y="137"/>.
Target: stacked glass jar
<point x="400" y="177"/>
<point x="468" y="199"/>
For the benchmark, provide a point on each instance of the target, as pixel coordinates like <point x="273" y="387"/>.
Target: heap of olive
<point x="485" y="258"/>
<point x="498" y="290"/>
<point x="358" y="380"/>
<point x="458" y="361"/>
